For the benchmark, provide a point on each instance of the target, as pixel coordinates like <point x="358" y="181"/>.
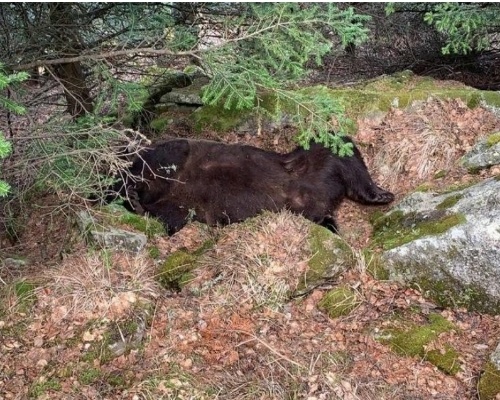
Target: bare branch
<point x="100" y="56"/>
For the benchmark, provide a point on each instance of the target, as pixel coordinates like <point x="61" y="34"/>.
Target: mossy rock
<point x="339" y="302"/>
<point x="330" y="256"/>
<point x="412" y="342"/>
<point x="489" y="384"/>
<point x="219" y="118"/>
<point x="375" y="97"/>
<point x="450" y="201"/>
<point x="397" y="228"/>
<point x="450" y="293"/>
<point x="117" y="214"/>
<point x="177" y="269"/>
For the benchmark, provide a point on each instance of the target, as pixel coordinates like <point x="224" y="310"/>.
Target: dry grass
<point x="99" y="285"/>
<point x="262" y="267"/>
<point x="430" y="136"/>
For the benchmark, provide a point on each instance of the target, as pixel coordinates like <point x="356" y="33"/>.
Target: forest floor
<point x="97" y="325"/>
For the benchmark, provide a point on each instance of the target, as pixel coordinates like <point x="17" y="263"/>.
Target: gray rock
<point x="255" y="123"/>
<point x="119" y="239"/>
<point x="495" y="357"/>
<point x="188" y="95"/>
<point x="182" y="97"/>
<point x="460" y="265"/>
<point x="482" y="156"/>
<point x="110" y="237"/>
<point x="14" y="263"/>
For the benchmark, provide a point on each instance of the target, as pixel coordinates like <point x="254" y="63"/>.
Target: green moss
<point x="412" y="342"/>
<point x="491" y="98"/>
<point x="474" y="100"/>
<point x="446" y="361"/>
<point x="206" y="245"/>
<point x="115" y="213"/>
<point x="42" y="387"/>
<point x="327" y="249"/>
<point x="117" y="381"/>
<point x="339" y="301"/>
<point x="457" y="187"/>
<point x="374" y="265"/>
<point x="440" y="174"/>
<point x="99" y="351"/>
<point x="218" y="118"/>
<point x="424" y="187"/>
<point x="489" y="384"/>
<point x="151" y="227"/>
<point x="448" y="202"/>
<point x="493" y="139"/>
<point x="397" y="228"/>
<point x="154" y="252"/>
<point x="322" y="258"/>
<point x="176" y="270"/>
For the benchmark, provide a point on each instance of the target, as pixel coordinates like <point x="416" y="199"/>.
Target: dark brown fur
<point x="217" y="183"/>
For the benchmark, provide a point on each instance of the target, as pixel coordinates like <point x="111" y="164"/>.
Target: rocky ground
<point x="91" y="324"/>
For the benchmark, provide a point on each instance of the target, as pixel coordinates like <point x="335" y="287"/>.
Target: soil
<point x="216" y="343"/>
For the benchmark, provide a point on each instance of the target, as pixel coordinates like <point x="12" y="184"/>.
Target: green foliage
<point x="113" y="92"/>
<point x="466" y="25"/>
<point x="42" y="386"/>
<point x="77" y="160"/>
<point x="279" y="39"/>
<point x="5" y="146"/>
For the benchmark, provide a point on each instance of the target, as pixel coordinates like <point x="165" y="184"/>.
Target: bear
<point x="181" y="179"/>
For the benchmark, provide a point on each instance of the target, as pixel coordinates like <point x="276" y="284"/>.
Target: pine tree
<point x="5" y="146"/>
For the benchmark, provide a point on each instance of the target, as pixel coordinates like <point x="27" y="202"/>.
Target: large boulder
<point x="448" y="245"/>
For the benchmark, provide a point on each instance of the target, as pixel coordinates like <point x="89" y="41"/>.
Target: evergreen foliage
<point x="272" y="52"/>
<point x="5" y="146"/>
<point x="250" y="51"/>
<point x="467" y="25"/>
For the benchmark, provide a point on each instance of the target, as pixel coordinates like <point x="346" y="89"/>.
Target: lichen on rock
<point x="484" y="154"/>
<point x="447" y="245"/>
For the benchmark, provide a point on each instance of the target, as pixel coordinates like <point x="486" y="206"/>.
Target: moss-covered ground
<point x="413" y="342"/>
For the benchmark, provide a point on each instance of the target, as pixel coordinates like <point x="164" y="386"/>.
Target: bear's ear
<point x="296" y="164"/>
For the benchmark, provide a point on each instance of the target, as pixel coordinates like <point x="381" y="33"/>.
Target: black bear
<point x="215" y="183"/>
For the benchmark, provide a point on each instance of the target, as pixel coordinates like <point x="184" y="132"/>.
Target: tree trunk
<point x="71" y="75"/>
<point x="75" y="89"/>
